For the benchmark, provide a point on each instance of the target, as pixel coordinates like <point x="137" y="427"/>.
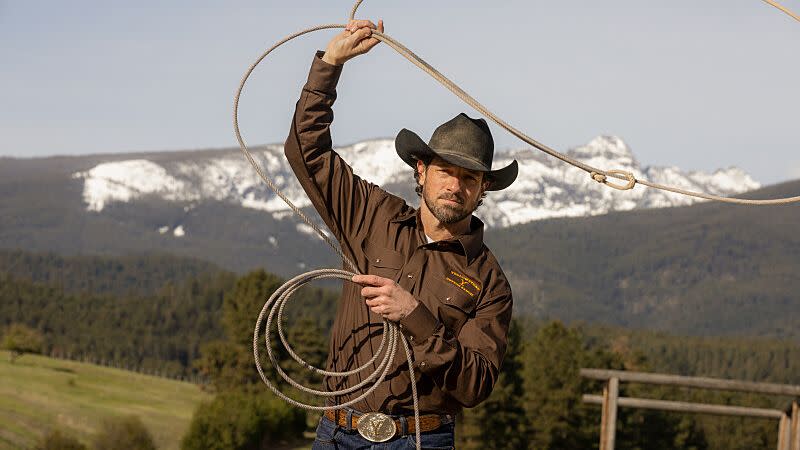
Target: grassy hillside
<point x="38" y="393"/>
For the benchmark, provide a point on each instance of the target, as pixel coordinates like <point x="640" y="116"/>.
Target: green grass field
<point x="39" y="393"/>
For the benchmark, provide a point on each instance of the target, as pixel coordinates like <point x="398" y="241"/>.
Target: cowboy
<point x="426" y="268"/>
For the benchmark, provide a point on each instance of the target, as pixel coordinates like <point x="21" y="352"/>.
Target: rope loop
<point x="380" y="363"/>
<point x="602" y="178"/>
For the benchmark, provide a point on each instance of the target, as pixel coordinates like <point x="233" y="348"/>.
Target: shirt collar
<point x="471" y="241"/>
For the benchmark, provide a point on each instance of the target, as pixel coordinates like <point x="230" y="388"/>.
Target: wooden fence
<point x="788" y="420"/>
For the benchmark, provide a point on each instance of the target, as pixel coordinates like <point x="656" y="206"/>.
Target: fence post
<point x="608" y="421"/>
<point x="783" y="433"/>
<point x="795" y="431"/>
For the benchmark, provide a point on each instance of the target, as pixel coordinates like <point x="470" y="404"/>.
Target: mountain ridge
<point x="705" y="268"/>
<point x="546" y="187"/>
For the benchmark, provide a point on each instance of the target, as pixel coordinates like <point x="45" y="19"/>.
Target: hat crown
<point x="466" y="136"/>
<point x="461" y="141"/>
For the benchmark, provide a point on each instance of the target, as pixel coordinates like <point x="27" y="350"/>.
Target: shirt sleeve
<point x="467" y="366"/>
<point x="340" y="197"/>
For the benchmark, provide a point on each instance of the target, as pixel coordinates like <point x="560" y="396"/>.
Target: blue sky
<point x="700" y="85"/>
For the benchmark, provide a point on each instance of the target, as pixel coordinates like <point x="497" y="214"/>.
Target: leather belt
<point x="428" y="422"/>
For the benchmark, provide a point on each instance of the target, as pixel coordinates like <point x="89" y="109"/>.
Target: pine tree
<point x="240" y="309"/>
<point x="500" y="419"/>
<point x="552" y="360"/>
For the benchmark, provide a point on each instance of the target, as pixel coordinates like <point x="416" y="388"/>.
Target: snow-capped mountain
<point x="545" y="187"/>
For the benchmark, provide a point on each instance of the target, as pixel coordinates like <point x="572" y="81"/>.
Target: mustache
<point x="452" y="197"/>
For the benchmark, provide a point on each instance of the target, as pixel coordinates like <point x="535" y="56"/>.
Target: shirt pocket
<point x="384" y="262"/>
<point x="456" y="305"/>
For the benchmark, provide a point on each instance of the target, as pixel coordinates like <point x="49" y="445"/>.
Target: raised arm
<point x="339" y="196"/>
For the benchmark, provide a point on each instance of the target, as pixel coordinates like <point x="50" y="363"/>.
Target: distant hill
<point x="42" y="210"/>
<point x="211" y="205"/>
<point x="130" y="275"/>
<point x="40" y="393"/>
<point x="706" y="269"/>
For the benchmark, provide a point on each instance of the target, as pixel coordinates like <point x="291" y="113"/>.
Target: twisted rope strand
<point x="782" y="8"/>
<point x="391" y="335"/>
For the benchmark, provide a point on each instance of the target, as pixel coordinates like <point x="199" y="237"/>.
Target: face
<point x="451" y="193"/>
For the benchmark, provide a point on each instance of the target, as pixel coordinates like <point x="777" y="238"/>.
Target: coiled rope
<point x="391" y="335"/>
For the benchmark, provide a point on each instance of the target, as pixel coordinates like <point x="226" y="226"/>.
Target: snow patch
<point x="124" y="181"/>
<point x="545" y="188"/>
<point x="179" y="231"/>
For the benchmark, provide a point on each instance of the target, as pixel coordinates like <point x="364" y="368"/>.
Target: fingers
<point x="372" y="292"/>
<point x="377" y="302"/>
<point x="362" y="29"/>
<point x="355" y="39"/>
<point x="371" y="280"/>
<point x="358" y="36"/>
<point x="380" y="306"/>
<point x="354" y="25"/>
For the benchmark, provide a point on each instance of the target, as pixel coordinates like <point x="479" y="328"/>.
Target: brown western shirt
<point x="458" y="332"/>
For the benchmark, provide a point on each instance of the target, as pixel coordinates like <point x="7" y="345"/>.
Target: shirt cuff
<point x="419" y="325"/>
<point x="323" y="77"/>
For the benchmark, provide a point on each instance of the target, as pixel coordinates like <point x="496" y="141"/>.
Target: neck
<point x="439" y="231"/>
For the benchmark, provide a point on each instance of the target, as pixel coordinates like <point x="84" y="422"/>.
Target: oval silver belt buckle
<point x="376" y="427"/>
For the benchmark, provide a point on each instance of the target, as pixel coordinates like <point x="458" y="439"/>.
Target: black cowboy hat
<point x="461" y="141"/>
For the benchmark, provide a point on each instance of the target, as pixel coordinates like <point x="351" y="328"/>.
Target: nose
<point x="454" y="184"/>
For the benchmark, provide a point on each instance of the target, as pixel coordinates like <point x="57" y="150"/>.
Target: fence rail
<point x="693" y="382"/>
<point x="666" y="405"/>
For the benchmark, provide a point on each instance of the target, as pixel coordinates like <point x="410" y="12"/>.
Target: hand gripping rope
<point x="391" y="334"/>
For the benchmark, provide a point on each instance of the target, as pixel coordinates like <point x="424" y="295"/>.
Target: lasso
<point x="391" y="335"/>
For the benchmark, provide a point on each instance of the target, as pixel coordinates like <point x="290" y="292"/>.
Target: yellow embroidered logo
<point x="464" y="283"/>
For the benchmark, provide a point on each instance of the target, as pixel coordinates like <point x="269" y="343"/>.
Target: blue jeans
<point x="333" y="437"/>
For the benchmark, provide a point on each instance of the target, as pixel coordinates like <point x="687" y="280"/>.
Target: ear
<point x="421" y="171"/>
<point x="486" y="183"/>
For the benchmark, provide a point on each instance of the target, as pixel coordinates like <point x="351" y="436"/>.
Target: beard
<point x="448" y="213"/>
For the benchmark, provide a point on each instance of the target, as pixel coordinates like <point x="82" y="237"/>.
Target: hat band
<point x="477" y="161"/>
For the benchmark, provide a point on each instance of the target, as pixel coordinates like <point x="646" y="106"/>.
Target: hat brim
<point x="410" y="147"/>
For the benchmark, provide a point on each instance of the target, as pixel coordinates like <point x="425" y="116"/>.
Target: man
<point x="426" y="269"/>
